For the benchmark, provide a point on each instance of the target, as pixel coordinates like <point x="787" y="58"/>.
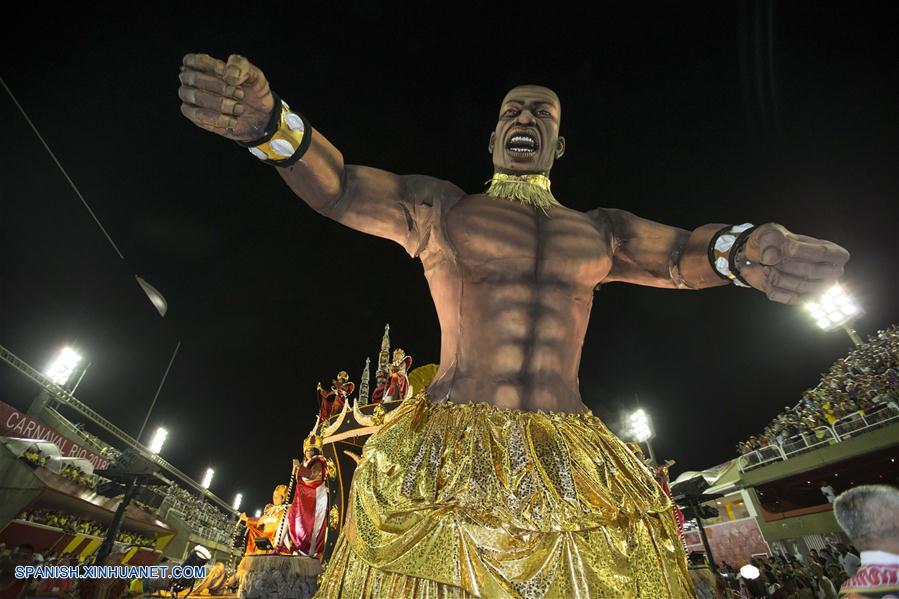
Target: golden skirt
<point x="470" y="500"/>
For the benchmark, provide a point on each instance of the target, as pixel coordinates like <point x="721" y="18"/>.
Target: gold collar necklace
<point x="531" y="190"/>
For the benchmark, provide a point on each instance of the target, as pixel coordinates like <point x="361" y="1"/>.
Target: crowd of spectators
<point x="38" y="459"/>
<point x="77" y="475"/>
<point x="73" y="524"/>
<point x="207" y="520"/>
<point x="818" y="575"/>
<point x="35" y="457"/>
<point x="866" y="381"/>
<point x="103" y="449"/>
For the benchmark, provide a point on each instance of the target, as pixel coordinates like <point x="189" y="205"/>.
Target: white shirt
<point x="881" y="558"/>
<point x="851" y="563"/>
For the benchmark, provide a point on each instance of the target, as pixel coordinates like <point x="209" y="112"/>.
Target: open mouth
<point x="523" y="144"/>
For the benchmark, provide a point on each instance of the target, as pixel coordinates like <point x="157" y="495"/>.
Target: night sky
<point x="681" y="113"/>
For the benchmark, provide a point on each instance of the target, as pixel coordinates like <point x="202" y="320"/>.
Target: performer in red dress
<point x="332" y="400"/>
<point x="398" y="386"/>
<point x="377" y="396"/>
<point x="307" y="518"/>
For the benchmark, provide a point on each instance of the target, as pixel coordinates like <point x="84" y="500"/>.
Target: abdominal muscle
<point x="519" y="353"/>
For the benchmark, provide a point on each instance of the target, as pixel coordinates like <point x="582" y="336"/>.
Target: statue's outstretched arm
<point x="785" y="266"/>
<point x="233" y="99"/>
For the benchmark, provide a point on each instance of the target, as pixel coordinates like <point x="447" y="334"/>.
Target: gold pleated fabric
<point x="469" y="500"/>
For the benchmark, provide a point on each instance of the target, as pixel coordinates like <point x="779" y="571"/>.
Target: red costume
<point x="398" y="383"/>
<point x="377" y="396"/>
<point x="333" y="400"/>
<point x="307" y="518"/>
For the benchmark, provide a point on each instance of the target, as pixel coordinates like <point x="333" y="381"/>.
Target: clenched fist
<point x="229" y="98"/>
<point x="789" y="267"/>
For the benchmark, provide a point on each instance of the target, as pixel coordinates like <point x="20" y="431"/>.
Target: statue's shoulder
<point x="599" y="217"/>
<point x="432" y="191"/>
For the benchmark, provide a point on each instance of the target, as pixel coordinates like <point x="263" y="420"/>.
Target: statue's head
<point x="526" y="139"/>
<point x="342" y="377"/>
<point x="398" y="354"/>
<point x="279" y="495"/>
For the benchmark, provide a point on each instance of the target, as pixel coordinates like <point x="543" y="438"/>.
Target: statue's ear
<point x="491" y="142"/>
<point x="560" y="147"/>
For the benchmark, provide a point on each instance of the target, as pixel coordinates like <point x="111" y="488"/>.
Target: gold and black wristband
<point x="285" y="139"/>
<point x="723" y="250"/>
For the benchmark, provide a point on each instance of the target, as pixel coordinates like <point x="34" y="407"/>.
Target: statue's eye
<point x="543" y="113"/>
<point x="512" y="112"/>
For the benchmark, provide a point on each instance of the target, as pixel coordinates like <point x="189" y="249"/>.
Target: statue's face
<point x="278" y="497"/>
<point x="526" y="139"/>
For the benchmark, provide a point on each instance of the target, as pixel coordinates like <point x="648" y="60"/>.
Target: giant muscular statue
<point x="498" y="482"/>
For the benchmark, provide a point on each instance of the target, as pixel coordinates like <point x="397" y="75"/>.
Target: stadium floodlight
<point x="749" y="572"/>
<point x="835" y="309"/>
<point x="158" y="440"/>
<point x="237" y="499"/>
<point x="62" y="367"/>
<point x="258" y="513"/>
<point x="640" y="428"/>
<point x="207" y="478"/>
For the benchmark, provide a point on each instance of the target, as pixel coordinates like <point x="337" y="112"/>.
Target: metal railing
<point x="69" y="400"/>
<point x="761" y="456"/>
<point x="809" y="440"/>
<point x="821" y="436"/>
<point x="858" y="422"/>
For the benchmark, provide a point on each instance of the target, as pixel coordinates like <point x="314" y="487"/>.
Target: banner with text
<point x="14" y="423"/>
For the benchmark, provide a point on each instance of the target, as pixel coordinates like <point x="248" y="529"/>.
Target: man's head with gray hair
<point x="869" y="514"/>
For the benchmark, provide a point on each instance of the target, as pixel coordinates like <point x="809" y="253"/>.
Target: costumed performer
<point x="498" y="481"/>
<point x="381" y="378"/>
<point x="398" y="372"/>
<point x="333" y="399"/>
<point x="307" y="517"/>
<point x="268" y="525"/>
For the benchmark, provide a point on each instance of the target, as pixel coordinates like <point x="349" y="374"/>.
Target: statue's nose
<point x="525" y="117"/>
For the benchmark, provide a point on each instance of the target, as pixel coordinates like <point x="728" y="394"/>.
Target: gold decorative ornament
<point x="286" y="140"/>
<point x="377" y="415"/>
<point x="333" y="517"/>
<point x="531" y="190"/>
<point x="361" y="418"/>
<point x="331" y="470"/>
<point x="353" y="456"/>
<point x="313" y="441"/>
<point x="421" y="377"/>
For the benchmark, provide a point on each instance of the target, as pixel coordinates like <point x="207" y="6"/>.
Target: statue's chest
<point x="494" y="238"/>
